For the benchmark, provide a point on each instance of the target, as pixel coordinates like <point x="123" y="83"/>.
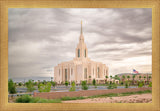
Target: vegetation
<point x="72" y="98"/>
<point x="11" y="87"/>
<point x="150" y="84"/>
<point x="128" y="77"/>
<point x="19" y="84"/>
<point x="112" y="86"/>
<point x="126" y="84"/>
<point x="53" y="83"/>
<point x="29" y="99"/>
<point x="44" y="87"/>
<point x="94" y="83"/>
<point x="73" y="88"/>
<point x="30" y="86"/>
<point x="116" y="77"/>
<point x="84" y="85"/>
<point x="66" y="83"/>
<point x="140" y="84"/>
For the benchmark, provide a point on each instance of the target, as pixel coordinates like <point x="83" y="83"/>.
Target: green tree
<point x="123" y="78"/>
<point x="140" y="77"/>
<point x="30" y="86"/>
<point x="84" y="85"/>
<point x="128" y="77"/>
<point x="66" y="83"/>
<point x="106" y="77"/>
<point x="126" y="84"/>
<point x="73" y="88"/>
<point x="150" y="84"/>
<point x="11" y="87"/>
<point x="133" y="78"/>
<point x="19" y="84"/>
<point x="94" y="83"/>
<point x="111" y="77"/>
<point x="44" y="87"/>
<point x="150" y="77"/>
<point x="53" y="83"/>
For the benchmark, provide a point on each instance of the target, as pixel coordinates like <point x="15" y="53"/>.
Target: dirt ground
<point x="141" y="98"/>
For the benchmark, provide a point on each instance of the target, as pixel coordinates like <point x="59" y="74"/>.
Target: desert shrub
<point x="45" y="87"/>
<point x="73" y="88"/>
<point x="30" y="86"/>
<point x="23" y="99"/>
<point x="126" y="85"/>
<point x="140" y="84"/>
<point x="150" y="84"/>
<point x="11" y="87"/>
<point x="112" y="86"/>
<point x="29" y="99"/>
<point x="84" y="85"/>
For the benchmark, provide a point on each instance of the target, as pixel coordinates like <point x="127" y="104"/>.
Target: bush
<point x="66" y="83"/>
<point x="126" y="85"/>
<point x="53" y="83"/>
<point x="73" y="88"/>
<point x="84" y="85"/>
<point x="29" y="99"/>
<point x="23" y="99"/>
<point x="45" y="87"/>
<point x="94" y="83"/>
<point x="11" y="87"/>
<point x="150" y="84"/>
<point x="140" y="84"/>
<point x="112" y="86"/>
<point x="30" y="86"/>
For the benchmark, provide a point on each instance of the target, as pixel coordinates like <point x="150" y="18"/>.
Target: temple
<point x="81" y="67"/>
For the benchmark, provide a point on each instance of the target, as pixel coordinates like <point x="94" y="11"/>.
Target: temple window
<point x="85" y="53"/>
<point x="78" y="52"/>
<point x="85" y="73"/>
<point x="59" y="72"/>
<point x="71" y="71"/>
<point x="65" y="74"/>
<point x="98" y="72"/>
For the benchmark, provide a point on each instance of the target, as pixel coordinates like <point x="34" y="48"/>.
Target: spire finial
<point x="81" y="26"/>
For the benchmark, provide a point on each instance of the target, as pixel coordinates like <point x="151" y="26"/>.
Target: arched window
<point x="78" y="52"/>
<point x="98" y="72"/>
<point x="85" y="53"/>
<point x="65" y="74"/>
<point x="85" y="73"/>
<point x="59" y="72"/>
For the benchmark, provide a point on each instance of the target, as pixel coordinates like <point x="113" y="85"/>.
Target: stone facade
<point x="81" y="67"/>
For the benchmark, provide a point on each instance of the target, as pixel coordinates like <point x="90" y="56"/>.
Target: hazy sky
<point x="39" y="39"/>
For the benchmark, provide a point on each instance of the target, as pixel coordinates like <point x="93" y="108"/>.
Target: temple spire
<point x="81" y="26"/>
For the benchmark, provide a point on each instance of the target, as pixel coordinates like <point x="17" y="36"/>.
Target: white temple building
<point x="81" y="67"/>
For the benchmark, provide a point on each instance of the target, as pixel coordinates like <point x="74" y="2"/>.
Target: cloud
<point x="39" y="39"/>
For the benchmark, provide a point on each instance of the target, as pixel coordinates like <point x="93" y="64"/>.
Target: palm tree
<point x="144" y="79"/>
<point x="106" y="78"/>
<point x="123" y="78"/>
<point x="150" y="78"/>
<point x="128" y="77"/>
<point x="133" y="78"/>
<point x="140" y="77"/>
<point x="111" y="77"/>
